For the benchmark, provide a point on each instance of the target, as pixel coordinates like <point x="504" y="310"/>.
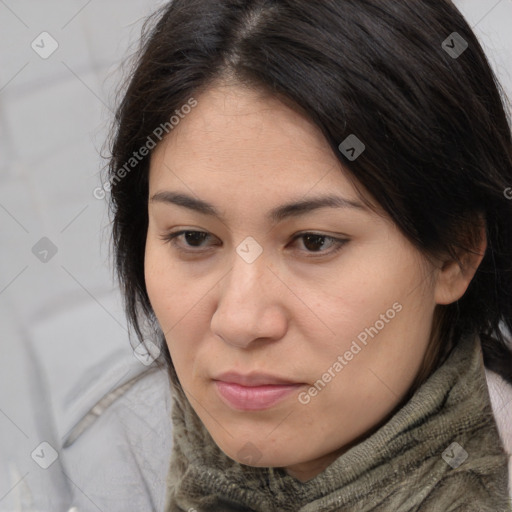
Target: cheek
<point x="178" y="302"/>
<point x="156" y="277"/>
<point x="164" y="287"/>
<point x="378" y="314"/>
<point x="362" y="291"/>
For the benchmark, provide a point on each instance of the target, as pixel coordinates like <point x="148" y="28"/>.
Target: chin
<point x="258" y="456"/>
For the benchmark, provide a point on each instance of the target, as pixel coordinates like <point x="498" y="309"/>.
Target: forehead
<point x="239" y="142"/>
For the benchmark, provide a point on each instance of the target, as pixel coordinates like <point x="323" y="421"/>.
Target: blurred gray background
<point x="60" y="313"/>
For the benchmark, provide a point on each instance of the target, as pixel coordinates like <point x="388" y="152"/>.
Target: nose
<point x="250" y="304"/>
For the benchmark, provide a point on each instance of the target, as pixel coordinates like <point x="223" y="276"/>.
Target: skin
<point x="290" y="312"/>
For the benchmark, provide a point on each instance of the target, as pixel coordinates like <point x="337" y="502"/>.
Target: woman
<point x="310" y="201"/>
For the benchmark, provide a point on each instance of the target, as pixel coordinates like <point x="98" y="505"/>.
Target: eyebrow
<point x="278" y="214"/>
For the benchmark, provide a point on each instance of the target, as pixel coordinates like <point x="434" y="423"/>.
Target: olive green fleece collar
<point x="440" y="452"/>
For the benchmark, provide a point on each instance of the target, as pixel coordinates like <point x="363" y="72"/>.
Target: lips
<point x="253" y="392"/>
<point x="253" y="379"/>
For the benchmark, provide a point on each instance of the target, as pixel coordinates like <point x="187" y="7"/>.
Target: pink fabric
<point x="500" y="392"/>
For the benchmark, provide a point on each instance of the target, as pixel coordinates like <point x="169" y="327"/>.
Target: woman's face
<point x="324" y="294"/>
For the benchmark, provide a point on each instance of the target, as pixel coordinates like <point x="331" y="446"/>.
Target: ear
<point x="453" y="278"/>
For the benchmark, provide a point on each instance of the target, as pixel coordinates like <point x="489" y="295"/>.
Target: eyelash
<point x="338" y="242"/>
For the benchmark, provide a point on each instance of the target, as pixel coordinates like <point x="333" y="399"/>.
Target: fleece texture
<point x="441" y="451"/>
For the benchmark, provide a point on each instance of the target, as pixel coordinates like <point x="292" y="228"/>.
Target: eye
<point x="313" y="242"/>
<point x="190" y="236"/>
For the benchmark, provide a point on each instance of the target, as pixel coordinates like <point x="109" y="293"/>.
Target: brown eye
<point x="315" y="243"/>
<point x="193" y="239"/>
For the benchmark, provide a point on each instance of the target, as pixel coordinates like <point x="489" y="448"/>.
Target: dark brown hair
<point x="438" y="154"/>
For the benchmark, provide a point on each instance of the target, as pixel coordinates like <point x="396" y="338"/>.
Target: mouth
<point x="254" y="379"/>
<point x="253" y="392"/>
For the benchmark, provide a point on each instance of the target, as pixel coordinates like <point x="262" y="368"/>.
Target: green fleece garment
<point x="440" y="452"/>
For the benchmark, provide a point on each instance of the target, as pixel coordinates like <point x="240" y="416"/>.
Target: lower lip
<point x="255" y="398"/>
